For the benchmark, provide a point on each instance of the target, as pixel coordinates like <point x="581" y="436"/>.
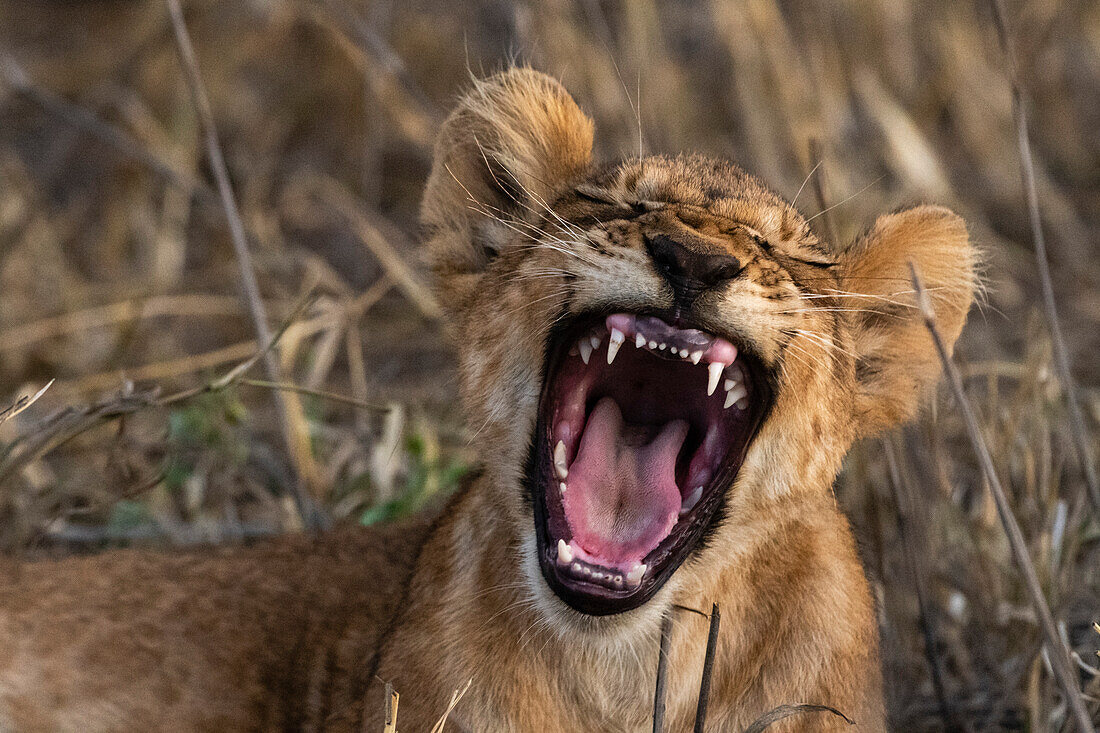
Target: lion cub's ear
<point x="896" y="360"/>
<point x="511" y="144"/>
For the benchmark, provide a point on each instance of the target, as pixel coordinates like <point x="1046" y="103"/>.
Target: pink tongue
<point x="621" y="500"/>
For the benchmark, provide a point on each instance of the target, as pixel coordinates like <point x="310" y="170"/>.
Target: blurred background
<point x="118" y="277"/>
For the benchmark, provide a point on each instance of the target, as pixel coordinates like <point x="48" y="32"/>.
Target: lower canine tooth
<point x="586" y="350"/>
<point x="691" y="500"/>
<point x="729" y="384"/>
<point x="565" y="553"/>
<point x="614" y="343"/>
<point x="715" y="370"/>
<point x="737" y="392"/>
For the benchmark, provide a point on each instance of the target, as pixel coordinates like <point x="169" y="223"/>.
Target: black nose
<point x="688" y="269"/>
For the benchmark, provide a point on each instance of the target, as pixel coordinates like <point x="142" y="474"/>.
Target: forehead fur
<point x="719" y="186"/>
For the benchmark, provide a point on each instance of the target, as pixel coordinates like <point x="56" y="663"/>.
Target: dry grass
<point x="116" y="264"/>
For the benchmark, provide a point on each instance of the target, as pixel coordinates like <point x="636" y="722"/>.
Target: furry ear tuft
<point x="513" y="142"/>
<point x="897" y="364"/>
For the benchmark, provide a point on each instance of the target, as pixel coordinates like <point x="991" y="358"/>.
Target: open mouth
<point x="642" y="426"/>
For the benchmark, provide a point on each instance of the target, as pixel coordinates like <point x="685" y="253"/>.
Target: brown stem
<point x="1058" y="343"/>
<point x="1059" y="661"/>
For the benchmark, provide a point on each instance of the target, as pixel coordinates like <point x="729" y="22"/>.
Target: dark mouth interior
<point x="641" y="423"/>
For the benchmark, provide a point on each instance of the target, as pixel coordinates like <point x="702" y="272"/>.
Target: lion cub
<point x="664" y="367"/>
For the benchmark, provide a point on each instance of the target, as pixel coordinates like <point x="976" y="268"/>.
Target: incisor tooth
<point x="614" y="343"/>
<point x="595" y="341"/>
<point x="561" y="467"/>
<point x="715" y="370"/>
<point x="565" y="553"/>
<point x="562" y="487"/>
<point x="586" y="350"/>
<point x="639" y="341"/>
<point x="653" y="344"/>
<point x="635" y="575"/>
<point x="696" y="356"/>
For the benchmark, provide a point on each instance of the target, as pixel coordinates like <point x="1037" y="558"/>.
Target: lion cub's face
<point x="656" y="350"/>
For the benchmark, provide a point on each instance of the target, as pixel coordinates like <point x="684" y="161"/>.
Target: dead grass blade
<point x="708" y="669"/>
<point x="915" y="545"/>
<point x="785" y="711"/>
<point x="662" y="675"/>
<point x="390" y="714"/>
<point x="83" y="119"/>
<point x="23" y="403"/>
<point x="455" y="697"/>
<point x="1057" y="653"/>
<point x="318" y="393"/>
<point x="178" y="306"/>
<point x="1050" y="308"/>
<point x="378" y="242"/>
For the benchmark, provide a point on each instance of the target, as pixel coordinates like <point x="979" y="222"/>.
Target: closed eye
<point x="813" y="263"/>
<point x="767" y="247"/>
<point x="598" y="196"/>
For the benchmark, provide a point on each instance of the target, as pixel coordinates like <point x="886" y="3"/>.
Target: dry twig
<point x="310" y="511"/>
<point x="1057" y="654"/>
<point x="662" y="675"/>
<point x="708" y="669"/>
<point x="785" y="711"/>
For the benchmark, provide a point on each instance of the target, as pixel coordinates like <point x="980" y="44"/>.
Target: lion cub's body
<point x="524" y="231"/>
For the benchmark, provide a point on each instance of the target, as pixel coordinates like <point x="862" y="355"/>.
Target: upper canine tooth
<point x="614" y="343"/>
<point x="696" y="356"/>
<point x="715" y="371"/>
<point x="565" y="553"/>
<point x="737" y="392"/>
<point x="639" y="341"/>
<point x="561" y="467"/>
<point x="586" y="350"/>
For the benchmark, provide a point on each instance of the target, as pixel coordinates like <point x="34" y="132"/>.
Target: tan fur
<point x="524" y="230"/>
